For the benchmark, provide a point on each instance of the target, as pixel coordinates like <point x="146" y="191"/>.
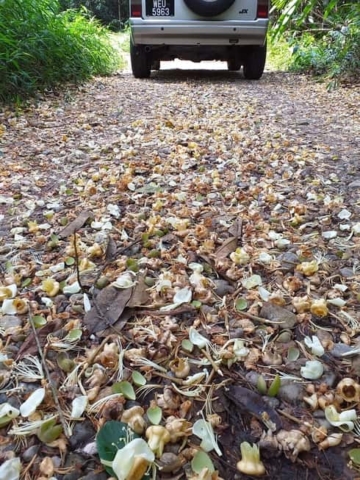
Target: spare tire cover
<point x="209" y="8"/>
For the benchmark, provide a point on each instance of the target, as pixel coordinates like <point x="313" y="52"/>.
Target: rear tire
<point x="234" y="64"/>
<point x="140" y="61"/>
<point x="254" y="62"/>
<point x="155" y="65"/>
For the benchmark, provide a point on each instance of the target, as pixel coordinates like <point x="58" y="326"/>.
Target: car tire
<point x="140" y="61"/>
<point x="155" y="65"/>
<point x="234" y="64"/>
<point x="254" y="62"/>
<point x="208" y="8"/>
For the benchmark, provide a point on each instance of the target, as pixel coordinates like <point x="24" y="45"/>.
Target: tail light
<point x="263" y="9"/>
<point x="135" y="8"/>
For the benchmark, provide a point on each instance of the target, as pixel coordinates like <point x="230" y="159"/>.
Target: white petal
<point x="8" y="307"/>
<point x="274" y="235"/>
<point x="338" y="302"/>
<point x="344" y="214"/>
<point x="13" y="289"/>
<point x="312" y="370"/>
<point x="114" y="210"/>
<point x="184" y="295"/>
<point x="10" y="469"/>
<point x="265" y="257"/>
<point x="125" y="280"/>
<point x="47" y="301"/>
<point x="96" y="225"/>
<point x="344" y="420"/>
<point x="314" y="345"/>
<point x="87" y="304"/>
<point x="73" y="288"/>
<point x="329" y="234"/>
<point x="196" y="267"/>
<point x="31" y="404"/>
<point x="78" y="406"/>
<point x="125" y="457"/>
<point x="7" y="410"/>
<point x="251" y="282"/>
<point x="57" y="268"/>
<point x="356" y="228"/>
<point x="341" y="287"/>
<point x="282" y="242"/>
<point x="264" y="294"/>
<point x="197" y="339"/>
<point x="204" y="430"/>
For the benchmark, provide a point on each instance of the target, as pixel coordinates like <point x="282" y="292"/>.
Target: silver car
<point x="228" y="30"/>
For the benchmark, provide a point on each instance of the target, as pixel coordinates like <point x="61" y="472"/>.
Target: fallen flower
<point x="7" y="413"/>
<point x="8" y="292"/>
<point x="344" y="420"/>
<point x="319" y="308"/>
<point x="250" y="462"/>
<point x="131" y="461"/>
<point x="183" y="295"/>
<point x="314" y="345"/>
<point x="10" y="469"/>
<point x="312" y="370"/>
<point x="125" y="280"/>
<point x="204" y="430"/>
<point x="32" y="402"/>
<point x="158" y="436"/>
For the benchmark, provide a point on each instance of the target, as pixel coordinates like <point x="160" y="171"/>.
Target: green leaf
<point x="49" y="431"/>
<point x="74" y="334"/>
<point x="138" y="379"/>
<point x="200" y="461"/>
<point x="293" y="354"/>
<point x="261" y="385"/>
<point x="154" y="414"/>
<point x="110" y="438"/>
<point x="241" y="304"/>
<point x="274" y="387"/>
<point x="354" y="455"/>
<point x="187" y="345"/>
<point x="125" y="388"/>
<point x="132" y="264"/>
<point x="38" y="321"/>
<point x="26" y="282"/>
<point x="196" y="304"/>
<point x="69" y="261"/>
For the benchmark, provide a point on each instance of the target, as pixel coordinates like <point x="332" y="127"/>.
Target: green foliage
<point x="279" y="55"/>
<point x="41" y="47"/>
<point x="113" y="13"/>
<point x="323" y="35"/>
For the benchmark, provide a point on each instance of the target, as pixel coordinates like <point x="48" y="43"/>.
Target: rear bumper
<point x="170" y="32"/>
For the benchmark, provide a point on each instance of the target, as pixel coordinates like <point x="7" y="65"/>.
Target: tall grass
<point x="41" y="47"/>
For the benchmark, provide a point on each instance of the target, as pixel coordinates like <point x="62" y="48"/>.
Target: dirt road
<point x="226" y="199"/>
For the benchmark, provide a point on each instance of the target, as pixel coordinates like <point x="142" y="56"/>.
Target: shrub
<point x="41" y="47"/>
<point x="324" y="36"/>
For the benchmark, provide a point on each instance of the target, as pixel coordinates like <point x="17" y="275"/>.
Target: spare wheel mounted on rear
<point x="209" y="8"/>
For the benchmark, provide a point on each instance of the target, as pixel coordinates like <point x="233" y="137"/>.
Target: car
<point x="227" y="30"/>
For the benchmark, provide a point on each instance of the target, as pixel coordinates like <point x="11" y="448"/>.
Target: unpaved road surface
<point x="241" y="197"/>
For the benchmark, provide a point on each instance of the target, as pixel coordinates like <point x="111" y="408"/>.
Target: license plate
<point x="159" y="8"/>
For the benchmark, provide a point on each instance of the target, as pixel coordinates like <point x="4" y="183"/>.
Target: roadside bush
<point x="113" y="13"/>
<point x="336" y="54"/>
<point x="324" y="36"/>
<point x="41" y="47"/>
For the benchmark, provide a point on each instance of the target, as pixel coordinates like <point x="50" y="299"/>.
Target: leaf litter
<point x="181" y="255"/>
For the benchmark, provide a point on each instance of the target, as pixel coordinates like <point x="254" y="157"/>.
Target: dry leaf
<point x="76" y="224"/>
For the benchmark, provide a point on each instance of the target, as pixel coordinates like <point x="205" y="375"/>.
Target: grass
<point x="279" y="55"/>
<point x="42" y="47"/>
